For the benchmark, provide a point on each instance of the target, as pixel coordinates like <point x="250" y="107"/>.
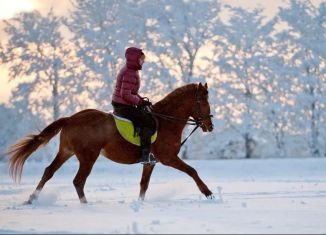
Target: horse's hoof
<point x="83" y="200"/>
<point x="211" y="197"/>
<point x="28" y="202"/>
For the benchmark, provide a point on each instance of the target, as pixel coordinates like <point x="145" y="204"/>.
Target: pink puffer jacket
<point x="128" y="80"/>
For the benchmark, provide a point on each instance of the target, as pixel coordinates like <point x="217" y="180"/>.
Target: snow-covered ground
<point x="257" y="196"/>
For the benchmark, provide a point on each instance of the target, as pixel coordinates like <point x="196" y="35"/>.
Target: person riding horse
<point x="129" y="104"/>
<point x="91" y="132"/>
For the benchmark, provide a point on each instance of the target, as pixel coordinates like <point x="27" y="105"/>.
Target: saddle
<point x="127" y="130"/>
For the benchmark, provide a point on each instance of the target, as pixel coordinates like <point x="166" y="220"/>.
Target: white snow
<point x="251" y="196"/>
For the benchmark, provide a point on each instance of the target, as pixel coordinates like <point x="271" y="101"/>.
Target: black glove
<point x="146" y="103"/>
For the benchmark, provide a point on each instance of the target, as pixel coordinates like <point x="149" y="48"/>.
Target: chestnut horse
<point x="89" y="133"/>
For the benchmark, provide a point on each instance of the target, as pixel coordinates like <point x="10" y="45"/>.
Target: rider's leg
<point x="145" y="122"/>
<point x="145" y="144"/>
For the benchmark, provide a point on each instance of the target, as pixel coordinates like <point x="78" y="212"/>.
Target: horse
<point x="91" y="132"/>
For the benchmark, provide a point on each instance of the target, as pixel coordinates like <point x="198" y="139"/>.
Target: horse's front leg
<point x="177" y="163"/>
<point x="146" y="176"/>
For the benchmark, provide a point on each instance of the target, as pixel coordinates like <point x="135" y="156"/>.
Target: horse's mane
<point x="175" y="96"/>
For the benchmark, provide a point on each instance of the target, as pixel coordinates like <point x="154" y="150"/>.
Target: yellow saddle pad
<point x="126" y="130"/>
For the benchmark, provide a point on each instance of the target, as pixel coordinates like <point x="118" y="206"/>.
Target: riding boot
<point x="146" y="156"/>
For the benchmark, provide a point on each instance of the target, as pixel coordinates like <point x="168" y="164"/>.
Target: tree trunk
<point x="279" y="138"/>
<point x="314" y="131"/>
<point x="249" y="146"/>
<point x="55" y="92"/>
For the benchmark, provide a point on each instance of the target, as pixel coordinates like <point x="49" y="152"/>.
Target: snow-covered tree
<point x="178" y="31"/>
<point x="305" y="38"/>
<point x="18" y="122"/>
<point x="38" y="56"/>
<point x="6" y="131"/>
<point x="242" y="59"/>
<point x="278" y="110"/>
<point x="2" y="54"/>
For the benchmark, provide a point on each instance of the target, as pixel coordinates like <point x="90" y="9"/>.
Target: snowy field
<point x="257" y="196"/>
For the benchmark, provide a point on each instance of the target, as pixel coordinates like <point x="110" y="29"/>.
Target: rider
<point x="128" y="103"/>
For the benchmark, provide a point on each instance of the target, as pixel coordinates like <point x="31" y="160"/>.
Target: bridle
<point x="200" y="118"/>
<point x="197" y="122"/>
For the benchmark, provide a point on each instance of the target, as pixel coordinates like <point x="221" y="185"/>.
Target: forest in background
<point x="266" y="77"/>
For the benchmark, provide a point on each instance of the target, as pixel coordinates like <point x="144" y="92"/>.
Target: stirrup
<point x="150" y="160"/>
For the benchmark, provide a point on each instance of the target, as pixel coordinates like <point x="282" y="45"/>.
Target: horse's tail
<point x="20" y="151"/>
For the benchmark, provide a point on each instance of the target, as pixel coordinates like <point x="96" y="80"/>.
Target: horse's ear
<point x="206" y="86"/>
<point x="200" y="85"/>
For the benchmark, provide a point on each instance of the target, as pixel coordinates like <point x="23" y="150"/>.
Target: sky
<point x="61" y="7"/>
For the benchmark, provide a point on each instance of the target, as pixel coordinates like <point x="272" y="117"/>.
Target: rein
<point x="190" y="121"/>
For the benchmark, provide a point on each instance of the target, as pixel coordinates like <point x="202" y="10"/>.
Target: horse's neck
<point x="180" y="107"/>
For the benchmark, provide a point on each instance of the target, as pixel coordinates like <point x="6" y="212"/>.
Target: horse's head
<point x="201" y="111"/>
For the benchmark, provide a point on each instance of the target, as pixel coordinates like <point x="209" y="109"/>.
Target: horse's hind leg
<point x="147" y="172"/>
<point x="85" y="168"/>
<point x="61" y="158"/>
<point x="177" y="163"/>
